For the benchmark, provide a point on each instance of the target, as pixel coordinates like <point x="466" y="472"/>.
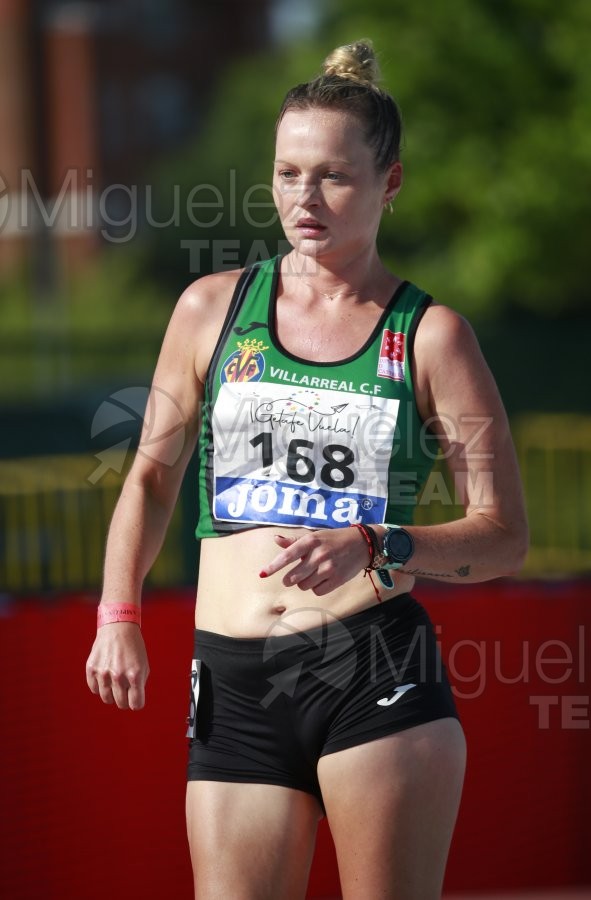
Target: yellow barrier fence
<point x="55" y="512"/>
<point x="555" y="457"/>
<point x="54" y="518"/>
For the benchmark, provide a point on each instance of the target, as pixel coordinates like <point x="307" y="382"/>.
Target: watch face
<point x="399" y="545"/>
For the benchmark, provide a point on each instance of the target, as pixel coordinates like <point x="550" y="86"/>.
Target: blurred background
<point x="136" y="144"/>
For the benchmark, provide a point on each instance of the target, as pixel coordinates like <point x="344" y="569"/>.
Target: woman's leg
<point x="250" y="841"/>
<point x="392" y="805"/>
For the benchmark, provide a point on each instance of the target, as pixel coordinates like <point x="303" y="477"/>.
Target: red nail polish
<point x="263" y="575"/>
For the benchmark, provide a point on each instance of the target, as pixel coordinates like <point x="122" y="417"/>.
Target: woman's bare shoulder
<point x="446" y="353"/>
<point x="208" y="297"/>
<point x="199" y="315"/>
<point x="442" y="322"/>
<point x="442" y="334"/>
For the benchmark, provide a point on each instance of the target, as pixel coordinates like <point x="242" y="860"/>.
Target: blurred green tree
<point x="495" y="95"/>
<point x="105" y="322"/>
<point x="495" y="98"/>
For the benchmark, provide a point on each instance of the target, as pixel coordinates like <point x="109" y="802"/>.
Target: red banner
<point x="93" y="798"/>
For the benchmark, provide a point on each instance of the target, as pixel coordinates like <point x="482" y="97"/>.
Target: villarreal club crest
<point x="245" y="364"/>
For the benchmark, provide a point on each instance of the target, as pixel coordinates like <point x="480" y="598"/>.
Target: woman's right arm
<point x="117" y="667"/>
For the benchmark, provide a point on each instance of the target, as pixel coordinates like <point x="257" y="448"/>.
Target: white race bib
<point x="287" y="455"/>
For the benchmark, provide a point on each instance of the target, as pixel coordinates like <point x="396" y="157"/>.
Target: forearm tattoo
<point x="462" y="572"/>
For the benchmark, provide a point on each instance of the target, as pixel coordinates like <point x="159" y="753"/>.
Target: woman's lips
<point x="309" y="227"/>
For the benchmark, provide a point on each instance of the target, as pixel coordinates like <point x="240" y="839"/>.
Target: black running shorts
<point x="264" y="710"/>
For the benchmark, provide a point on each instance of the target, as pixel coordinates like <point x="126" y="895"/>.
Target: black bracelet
<point x="374" y="541"/>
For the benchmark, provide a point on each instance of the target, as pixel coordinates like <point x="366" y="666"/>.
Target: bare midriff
<point x="233" y="599"/>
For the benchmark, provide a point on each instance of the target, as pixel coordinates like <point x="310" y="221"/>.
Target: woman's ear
<point x="393" y="182"/>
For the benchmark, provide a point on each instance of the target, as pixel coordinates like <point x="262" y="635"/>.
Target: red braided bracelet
<point x="368" y="541"/>
<point x="372" y="553"/>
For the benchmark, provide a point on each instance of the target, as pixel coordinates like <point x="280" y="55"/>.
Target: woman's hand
<point x="117" y="667"/>
<point x="326" y="559"/>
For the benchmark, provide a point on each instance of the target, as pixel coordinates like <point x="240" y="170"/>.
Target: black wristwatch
<point x="397" y="548"/>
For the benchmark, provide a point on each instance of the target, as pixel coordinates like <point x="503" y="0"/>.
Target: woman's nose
<point x="307" y="194"/>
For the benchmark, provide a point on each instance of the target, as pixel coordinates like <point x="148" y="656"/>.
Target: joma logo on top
<point x="248" y="501"/>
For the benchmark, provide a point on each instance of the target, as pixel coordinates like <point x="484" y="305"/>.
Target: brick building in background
<point x="91" y="93"/>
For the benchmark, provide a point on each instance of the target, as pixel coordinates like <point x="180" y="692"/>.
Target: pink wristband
<point x="118" y="612"/>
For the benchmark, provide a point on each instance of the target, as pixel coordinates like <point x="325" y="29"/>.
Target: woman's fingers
<point x="136" y="694"/>
<point x="324" y="559"/>
<point x="294" y="549"/>
<point x="127" y="692"/>
<point x="104" y="689"/>
<point x="117" y="668"/>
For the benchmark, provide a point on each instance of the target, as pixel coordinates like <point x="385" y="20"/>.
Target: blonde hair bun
<point x="356" y="62"/>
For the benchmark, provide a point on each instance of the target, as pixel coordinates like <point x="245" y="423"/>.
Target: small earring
<point x="389" y="206"/>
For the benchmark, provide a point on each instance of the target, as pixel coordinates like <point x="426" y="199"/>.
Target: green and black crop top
<point x="290" y="442"/>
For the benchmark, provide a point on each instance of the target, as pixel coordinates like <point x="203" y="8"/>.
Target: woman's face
<point x="328" y="193"/>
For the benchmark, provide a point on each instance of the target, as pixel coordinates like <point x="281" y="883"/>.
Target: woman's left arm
<point x="459" y="400"/>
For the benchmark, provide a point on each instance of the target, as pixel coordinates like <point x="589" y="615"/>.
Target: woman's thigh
<point x="392" y="805"/>
<point x="250" y="841"/>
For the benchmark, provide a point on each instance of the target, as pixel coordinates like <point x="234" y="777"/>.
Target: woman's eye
<point x="287" y="174"/>
<point x="333" y="176"/>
